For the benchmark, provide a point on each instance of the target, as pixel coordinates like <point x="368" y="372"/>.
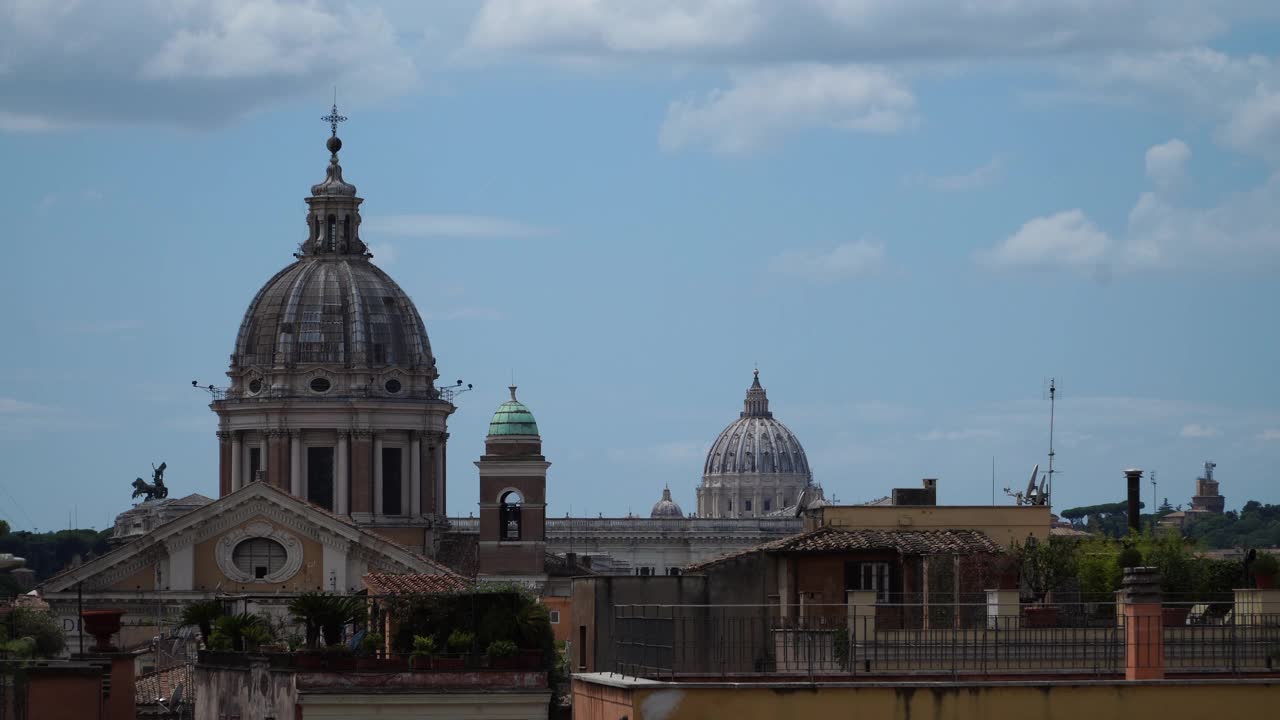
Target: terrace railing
<point x="894" y="639"/>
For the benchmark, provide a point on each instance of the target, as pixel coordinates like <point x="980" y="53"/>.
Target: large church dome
<point x="756" y="466"/>
<point x="756" y="442"/>
<point x="337" y="309"/>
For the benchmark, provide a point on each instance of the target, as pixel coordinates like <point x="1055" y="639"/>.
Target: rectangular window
<point x="748" y="505"/>
<point x="768" y="505"/>
<point x="582" y="647"/>
<point x="391" y="481"/>
<point x="865" y="576"/>
<point x="320" y="476"/>
<point x="555" y="617"/>
<point x="255" y="464"/>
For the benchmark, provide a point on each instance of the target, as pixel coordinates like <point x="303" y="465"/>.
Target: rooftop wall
<point x="1006" y="525"/>
<point x="598" y="697"/>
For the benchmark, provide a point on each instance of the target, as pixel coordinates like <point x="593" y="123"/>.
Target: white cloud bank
<point x="837" y="30"/>
<point x="761" y="104"/>
<point x="187" y="62"/>
<point x="1240" y="232"/>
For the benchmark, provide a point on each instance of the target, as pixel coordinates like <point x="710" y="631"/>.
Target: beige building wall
<point x="142" y="579"/>
<point x="596" y="697"/>
<point x="1006" y="525"/>
<point x="312" y="575"/>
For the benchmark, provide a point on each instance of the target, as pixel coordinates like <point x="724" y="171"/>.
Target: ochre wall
<point x="1006" y="525"/>
<point x="563" y="630"/>
<point x="1165" y="700"/>
<point x="312" y="575"/>
<point x="144" y="579"/>
<point x="413" y="538"/>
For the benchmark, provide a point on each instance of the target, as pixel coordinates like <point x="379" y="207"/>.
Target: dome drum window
<point x="392" y="386"/>
<point x="254" y="385"/>
<point x="320" y="385"/>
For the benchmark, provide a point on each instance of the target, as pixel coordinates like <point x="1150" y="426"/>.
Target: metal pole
<point x="80" y="613"/>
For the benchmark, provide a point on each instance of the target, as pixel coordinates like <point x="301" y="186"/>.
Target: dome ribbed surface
<point x="512" y="418"/>
<point x="756" y="442"/>
<point x="337" y="309"/>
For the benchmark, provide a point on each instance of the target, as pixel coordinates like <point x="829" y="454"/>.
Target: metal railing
<point x="668" y="641"/>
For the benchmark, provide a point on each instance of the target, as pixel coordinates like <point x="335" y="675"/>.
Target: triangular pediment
<point x="254" y="501"/>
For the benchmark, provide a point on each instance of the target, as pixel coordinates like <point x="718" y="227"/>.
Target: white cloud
<point x="1196" y="430"/>
<point x="1240" y="232"/>
<point x="976" y="179"/>
<point x="451" y="226"/>
<point x="1270" y="435"/>
<point x="1236" y="93"/>
<point x="1254" y="123"/>
<point x="767" y="102"/>
<point x="190" y="62"/>
<point x="1065" y="239"/>
<point x="1167" y="162"/>
<point x="836" y="30"/>
<point x="14" y="406"/>
<point x="846" y="260"/>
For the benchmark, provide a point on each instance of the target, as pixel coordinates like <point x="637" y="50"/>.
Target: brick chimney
<point x="1143" y="625"/>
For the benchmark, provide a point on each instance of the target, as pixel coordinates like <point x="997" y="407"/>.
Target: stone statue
<point x="154" y="490"/>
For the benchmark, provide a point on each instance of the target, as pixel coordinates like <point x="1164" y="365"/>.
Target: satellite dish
<point x="1031" y="484"/>
<point x="1043" y="499"/>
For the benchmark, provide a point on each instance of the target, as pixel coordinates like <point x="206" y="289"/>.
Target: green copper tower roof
<point x="512" y="418"/>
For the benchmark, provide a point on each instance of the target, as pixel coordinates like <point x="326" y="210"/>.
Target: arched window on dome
<point x="331" y="241"/>
<point x="509" y="525"/>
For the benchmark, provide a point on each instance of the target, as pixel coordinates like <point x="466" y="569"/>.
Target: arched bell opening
<point x="509" y="522"/>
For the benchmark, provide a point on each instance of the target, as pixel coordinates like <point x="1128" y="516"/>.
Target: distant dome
<point x="512" y="418"/>
<point x="666" y="507"/>
<point x="756" y="443"/>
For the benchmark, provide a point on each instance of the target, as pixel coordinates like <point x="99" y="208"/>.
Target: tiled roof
<point x="149" y="687"/>
<point x="389" y="584"/>
<point x="905" y="542"/>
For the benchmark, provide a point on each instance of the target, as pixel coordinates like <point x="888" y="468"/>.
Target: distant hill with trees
<point x="1255" y="525"/>
<point x="48" y="553"/>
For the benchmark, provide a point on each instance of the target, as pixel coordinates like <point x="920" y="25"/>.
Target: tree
<point x="4" y="528"/>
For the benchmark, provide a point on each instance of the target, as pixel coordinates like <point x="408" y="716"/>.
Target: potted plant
<point x="1265" y="568"/>
<point x="459" y="644"/>
<point x="370" y="648"/>
<point x="203" y="615"/>
<point x="424" y="650"/>
<point x="502" y="654"/>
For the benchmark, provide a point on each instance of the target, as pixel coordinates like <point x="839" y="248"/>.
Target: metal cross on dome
<point x="333" y="118"/>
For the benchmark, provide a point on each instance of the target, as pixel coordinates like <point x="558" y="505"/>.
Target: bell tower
<point x="513" y="497"/>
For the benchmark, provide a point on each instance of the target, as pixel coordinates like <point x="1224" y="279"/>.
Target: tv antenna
<point x="1046" y="489"/>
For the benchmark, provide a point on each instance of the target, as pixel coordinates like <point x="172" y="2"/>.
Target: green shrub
<point x="41" y="628"/>
<point x="372" y="643"/>
<point x="460" y="641"/>
<point x="1266" y="564"/>
<point x="501" y="649"/>
<point x="423" y="646"/>
<point x="1130" y="557"/>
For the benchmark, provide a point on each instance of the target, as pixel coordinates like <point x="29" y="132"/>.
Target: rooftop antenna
<point x="1053" y="394"/>
<point x="1155" y="505"/>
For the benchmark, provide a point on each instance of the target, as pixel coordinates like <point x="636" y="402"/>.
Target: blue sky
<point x="908" y="214"/>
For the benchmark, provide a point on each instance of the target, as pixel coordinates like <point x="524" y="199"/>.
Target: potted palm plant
<point x="203" y="615"/>
<point x="459" y="643"/>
